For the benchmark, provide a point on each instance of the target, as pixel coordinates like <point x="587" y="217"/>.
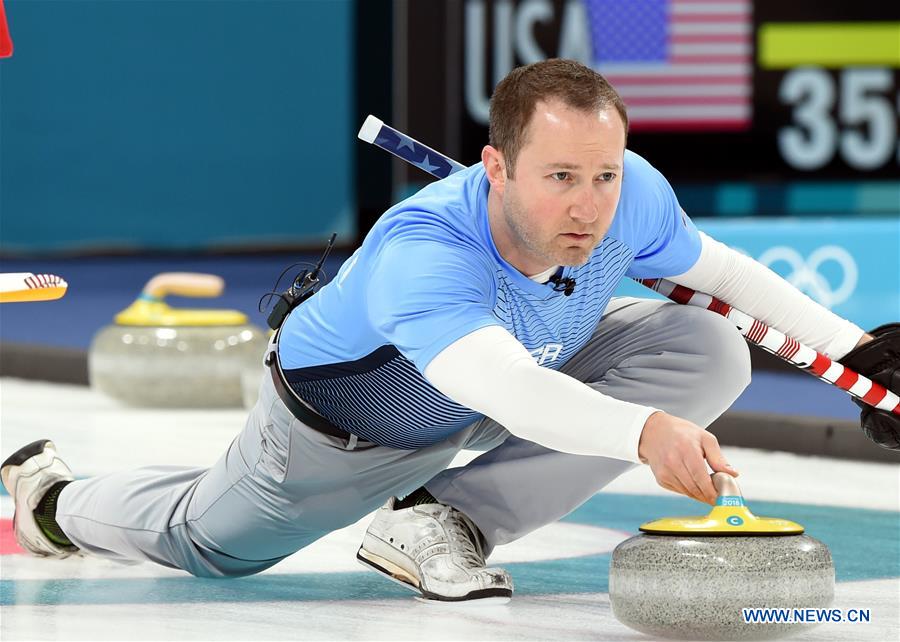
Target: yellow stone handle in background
<point x="192" y="284"/>
<point x="151" y="310"/>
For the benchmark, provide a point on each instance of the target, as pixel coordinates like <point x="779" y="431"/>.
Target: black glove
<point x="879" y="360"/>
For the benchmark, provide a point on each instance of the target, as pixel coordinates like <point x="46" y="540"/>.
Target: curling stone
<point x="159" y="356"/>
<point x="689" y="577"/>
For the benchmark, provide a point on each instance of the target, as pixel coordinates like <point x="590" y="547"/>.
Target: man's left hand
<point x="879" y="360"/>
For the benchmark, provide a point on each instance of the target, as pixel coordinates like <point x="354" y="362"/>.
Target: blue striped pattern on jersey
<point x="383" y="398"/>
<point x="391" y="404"/>
<point x="560" y="320"/>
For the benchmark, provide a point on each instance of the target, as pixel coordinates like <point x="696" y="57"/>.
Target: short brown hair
<point x="517" y="95"/>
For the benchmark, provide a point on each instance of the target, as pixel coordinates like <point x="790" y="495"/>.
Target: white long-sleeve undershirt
<point x="756" y="290"/>
<point x="491" y="372"/>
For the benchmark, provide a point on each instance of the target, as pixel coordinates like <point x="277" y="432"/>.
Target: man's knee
<point x="218" y="566"/>
<point x="192" y="550"/>
<point x="726" y="352"/>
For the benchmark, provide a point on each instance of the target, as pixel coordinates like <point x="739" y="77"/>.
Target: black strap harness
<point x="304" y="286"/>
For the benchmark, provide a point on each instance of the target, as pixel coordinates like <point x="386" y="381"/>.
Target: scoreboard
<point x="765" y="107"/>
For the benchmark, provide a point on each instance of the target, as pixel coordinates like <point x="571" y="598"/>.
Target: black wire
<point x="274" y="291"/>
<point x="259" y="304"/>
<point x="316" y="269"/>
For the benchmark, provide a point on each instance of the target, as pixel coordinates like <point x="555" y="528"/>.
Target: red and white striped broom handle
<point x="788" y="348"/>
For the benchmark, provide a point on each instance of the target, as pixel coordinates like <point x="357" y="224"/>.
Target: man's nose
<point x="586" y="208"/>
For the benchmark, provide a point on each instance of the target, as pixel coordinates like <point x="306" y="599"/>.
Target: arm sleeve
<point x="490" y="371"/>
<point x="423" y="295"/>
<point x="756" y="290"/>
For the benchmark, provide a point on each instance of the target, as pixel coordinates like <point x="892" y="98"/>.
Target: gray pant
<point x="281" y="485"/>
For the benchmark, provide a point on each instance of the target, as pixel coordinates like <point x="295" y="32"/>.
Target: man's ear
<point x="494" y="167"/>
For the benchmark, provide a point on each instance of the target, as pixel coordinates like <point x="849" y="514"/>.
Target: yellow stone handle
<point x="150" y="308"/>
<point x="192" y="284"/>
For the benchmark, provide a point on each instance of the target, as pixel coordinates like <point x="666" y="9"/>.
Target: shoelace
<point x="463" y="534"/>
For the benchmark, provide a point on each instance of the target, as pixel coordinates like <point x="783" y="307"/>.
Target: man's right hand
<point x="677" y="451"/>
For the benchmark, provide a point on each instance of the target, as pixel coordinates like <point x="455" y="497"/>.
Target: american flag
<point x="678" y="64"/>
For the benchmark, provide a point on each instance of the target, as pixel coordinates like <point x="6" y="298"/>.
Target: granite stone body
<point x="694" y="587"/>
<point x="178" y="367"/>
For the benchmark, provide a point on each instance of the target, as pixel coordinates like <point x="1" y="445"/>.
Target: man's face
<point x="568" y="178"/>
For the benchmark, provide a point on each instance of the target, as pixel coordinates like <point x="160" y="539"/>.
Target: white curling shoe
<point x="433" y="550"/>
<point x="27" y="474"/>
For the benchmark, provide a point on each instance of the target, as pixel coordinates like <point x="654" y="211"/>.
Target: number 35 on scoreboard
<point x="840" y="85"/>
<point x="862" y="129"/>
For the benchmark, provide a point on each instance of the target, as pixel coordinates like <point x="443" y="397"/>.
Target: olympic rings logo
<point x="805" y="275"/>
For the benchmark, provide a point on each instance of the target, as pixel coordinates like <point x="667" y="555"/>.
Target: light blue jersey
<point x="428" y="273"/>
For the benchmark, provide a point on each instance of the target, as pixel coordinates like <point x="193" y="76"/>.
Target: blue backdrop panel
<point x="176" y="124"/>
<point x="850" y="266"/>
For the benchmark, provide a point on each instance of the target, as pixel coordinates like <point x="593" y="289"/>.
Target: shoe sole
<point x="396" y="574"/>
<point x="468" y="602"/>
<point x="388" y="569"/>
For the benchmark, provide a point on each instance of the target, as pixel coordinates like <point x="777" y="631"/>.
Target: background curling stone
<point x="159" y="356"/>
<point x="689" y="577"/>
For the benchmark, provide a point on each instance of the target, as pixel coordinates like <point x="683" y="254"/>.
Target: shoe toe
<point x="496" y="578"/>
